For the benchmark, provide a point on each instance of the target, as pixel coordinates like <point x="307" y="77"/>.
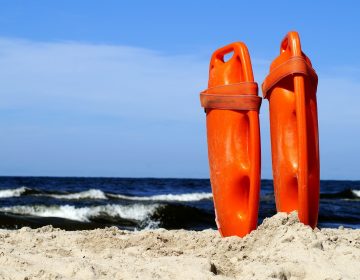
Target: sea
<point x="146" y="203"/>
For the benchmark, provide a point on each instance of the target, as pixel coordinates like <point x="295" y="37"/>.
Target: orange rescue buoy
<point x="233" y="135"/>
<point x="291" y="90"/>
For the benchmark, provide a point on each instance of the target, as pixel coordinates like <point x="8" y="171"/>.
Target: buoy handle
<point x="234" y="70"/>
<point x="291" y="44"/>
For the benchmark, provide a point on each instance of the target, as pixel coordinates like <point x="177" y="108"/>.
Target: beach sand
<point x="281" y="248"/>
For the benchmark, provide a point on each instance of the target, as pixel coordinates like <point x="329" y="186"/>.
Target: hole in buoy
<point x="228" y="56"/>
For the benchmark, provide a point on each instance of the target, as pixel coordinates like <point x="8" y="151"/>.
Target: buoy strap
<point x="239" y="96"/>
<point x="295" y="65"/>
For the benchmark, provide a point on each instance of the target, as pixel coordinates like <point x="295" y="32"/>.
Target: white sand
<point x="281" y="248"/>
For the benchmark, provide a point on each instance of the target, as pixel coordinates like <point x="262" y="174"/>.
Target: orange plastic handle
<point x="240" y="58"/>
<point x="291" y="44"/>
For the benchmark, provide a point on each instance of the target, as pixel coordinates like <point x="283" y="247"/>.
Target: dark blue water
<point x="131" y="203"/>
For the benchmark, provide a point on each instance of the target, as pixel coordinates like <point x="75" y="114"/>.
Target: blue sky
<point x="110" y="88"/>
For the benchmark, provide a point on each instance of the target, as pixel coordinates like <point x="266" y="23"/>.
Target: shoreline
<point x="281" y="248"/>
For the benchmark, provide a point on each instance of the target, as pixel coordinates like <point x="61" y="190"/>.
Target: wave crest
<point x="12" y="192"/>
<point x="89" y="194"/>
<point x="99" y="194"/>
<point x="167" y="197"/>
<point x="356" y="193"/>
<point x="138" y="212"/>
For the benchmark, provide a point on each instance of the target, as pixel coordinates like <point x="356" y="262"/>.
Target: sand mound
<point x="281" y="248"/>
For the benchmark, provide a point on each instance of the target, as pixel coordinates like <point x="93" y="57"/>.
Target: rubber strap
<point x="295" y="65"/>
<point x="240" y="96"/>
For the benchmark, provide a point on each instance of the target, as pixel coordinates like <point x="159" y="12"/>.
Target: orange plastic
<point x="291" y="91"/>
<point x="233" y="137"/>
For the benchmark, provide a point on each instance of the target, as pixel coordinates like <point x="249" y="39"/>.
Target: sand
<point x="281" y="248"/>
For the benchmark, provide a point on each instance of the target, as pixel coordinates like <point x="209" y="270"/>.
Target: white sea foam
<point x="12" y="192"/>
<point x="89" y="194"/>
<point x="356" y="193"/>
<point x="99" y="194"/>
<point x="137" y="212"/>
<point x="167" y="197"/>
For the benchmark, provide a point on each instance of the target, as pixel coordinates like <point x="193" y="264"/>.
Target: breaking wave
<point x="167" y="197"/>
<point x="137" y="212"/>
<point x="356" y="193"/>
<point x="99" y="194"/>
<point x="13" y="192"/>
<point x="89" y="194"/>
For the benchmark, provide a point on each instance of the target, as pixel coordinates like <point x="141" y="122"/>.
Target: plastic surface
<point x="291" y="91"/>
<point x="233" y="138"/>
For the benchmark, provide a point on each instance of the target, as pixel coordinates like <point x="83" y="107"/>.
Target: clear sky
<point x="110" y="88"/>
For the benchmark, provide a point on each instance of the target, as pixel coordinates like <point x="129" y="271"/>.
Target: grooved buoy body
<point x="232" y="107"/>
<point x="291" y="88"/>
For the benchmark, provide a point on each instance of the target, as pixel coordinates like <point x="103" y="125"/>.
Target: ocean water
<point x="135" y="204"/>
